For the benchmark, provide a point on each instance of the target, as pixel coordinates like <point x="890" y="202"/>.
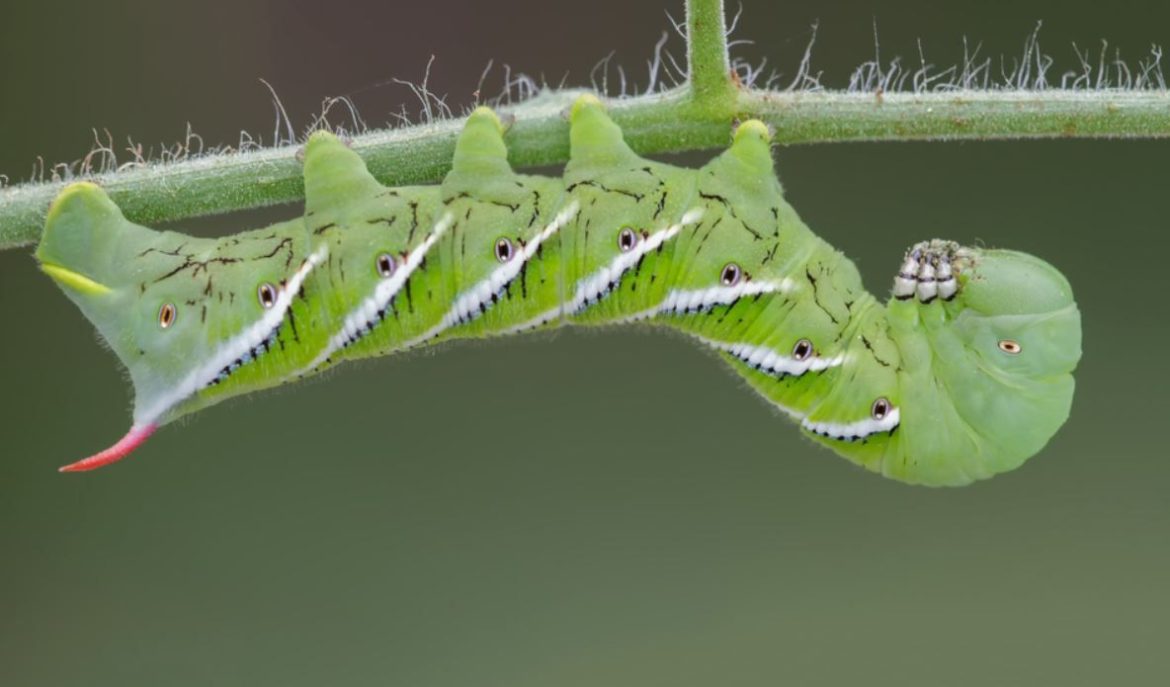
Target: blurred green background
<point x="589" y="507"/>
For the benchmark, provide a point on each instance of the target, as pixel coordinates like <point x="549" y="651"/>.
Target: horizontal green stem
<point x="660" y="123"/>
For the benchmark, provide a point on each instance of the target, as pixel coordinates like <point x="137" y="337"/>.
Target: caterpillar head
<point x="193" y="320"/>
<point x="992" y="367"/>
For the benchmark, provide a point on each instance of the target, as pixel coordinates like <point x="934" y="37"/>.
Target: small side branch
<point x="709" y="67"/>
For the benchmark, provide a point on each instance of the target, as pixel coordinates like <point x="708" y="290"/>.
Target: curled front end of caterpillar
<point x="974" y="354"/>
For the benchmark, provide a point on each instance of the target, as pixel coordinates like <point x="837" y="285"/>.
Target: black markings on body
<point x="817" y="296"/>
<point x="285" y="243"/>
<point x="413" y="221"/>
<point x="744" y="359"/>
<point x="755" y="234"/>
<point x="190" y="263"/>
<point x="252" y="355"/>
<point x="638" y="265"/>
<point x="596" y="184"/>
<point x="661" y="205"/>
<point x="291" y="317"/>
<point x="324" y="228"/>
<point x="731" y="209"/>
<point x="388" y="221"/>
<point x="535" y="207"/>
<point x="717" y="198"/>
<point x="509" y="206"/>
<point x="236" y="240"/>
<point x="195" y="266"/>
<point x="866" y="342"/>
<point x="709" y="230"/>
<point x="174" y="253"/>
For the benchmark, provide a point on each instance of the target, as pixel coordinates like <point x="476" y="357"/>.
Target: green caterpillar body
<point x="964" y="373"/>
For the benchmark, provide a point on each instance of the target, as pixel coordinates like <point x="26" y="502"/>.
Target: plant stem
<point x="709" y="69"/>
<point x="694" y="116"/>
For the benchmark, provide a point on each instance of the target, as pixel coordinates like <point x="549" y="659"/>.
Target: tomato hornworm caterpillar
<point x="964" y="373"/>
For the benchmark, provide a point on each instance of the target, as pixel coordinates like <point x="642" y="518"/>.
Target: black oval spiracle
<point x="627" y="239"/>
<point x="266" y="294"/>
<point x="386" y="265"/>
<point x="730" y="274"/>
<point x="166" y="315"/>
<point x="802" y="350"/>
<point x="1010" y="346"/>
<point x="505" y="250"/>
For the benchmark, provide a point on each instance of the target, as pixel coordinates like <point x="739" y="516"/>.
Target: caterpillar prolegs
<point x="964" y="373"/>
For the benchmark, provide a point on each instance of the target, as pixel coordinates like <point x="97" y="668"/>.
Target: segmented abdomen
<point x="715" y="252"/>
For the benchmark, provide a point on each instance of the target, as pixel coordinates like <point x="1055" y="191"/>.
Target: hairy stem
<point x="694" y="116"/>
<point x="709" y="69"/>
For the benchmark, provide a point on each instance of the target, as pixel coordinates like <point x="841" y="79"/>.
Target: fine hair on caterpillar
<point x="965" y="372"/>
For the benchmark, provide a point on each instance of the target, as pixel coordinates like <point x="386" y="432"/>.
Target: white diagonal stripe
<point x="593" y="285"/>
<point x="850" y="430"/>
<point x="770" y="361"/>
<point x="686" y="301"/>
<point x="234" y="348"/>
<point x="468" y="303"/>
<point x="365" y="315"/>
